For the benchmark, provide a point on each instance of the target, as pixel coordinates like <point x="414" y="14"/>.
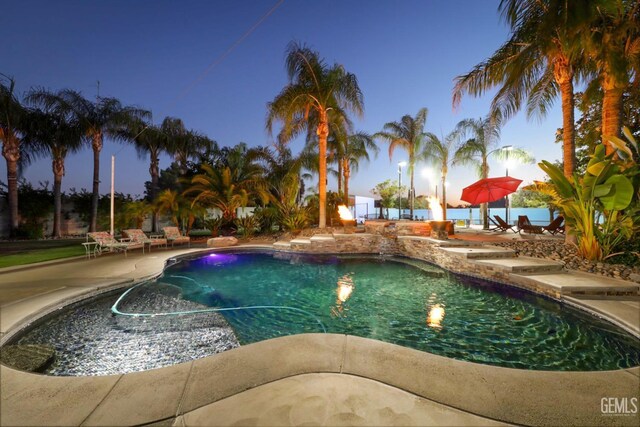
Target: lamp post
<point x="400" y="166"/>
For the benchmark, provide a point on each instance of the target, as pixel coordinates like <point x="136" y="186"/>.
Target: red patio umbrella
<point x="490" y="189"/>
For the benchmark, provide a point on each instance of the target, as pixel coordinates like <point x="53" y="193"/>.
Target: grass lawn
<point x="30" y="251"/>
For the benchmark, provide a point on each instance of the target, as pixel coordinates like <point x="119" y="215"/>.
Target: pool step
<point x="524" y="265"/>
<point x="448" y="243"/>
<point x="480" y="252"/>
<point x="323" y="238"/>
<point x="574" y="283"/>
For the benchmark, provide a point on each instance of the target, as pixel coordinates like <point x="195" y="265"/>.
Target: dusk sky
<point x="153" y="54"/>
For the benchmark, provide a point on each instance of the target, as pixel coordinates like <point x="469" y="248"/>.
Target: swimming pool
<point x="397" y="300"/>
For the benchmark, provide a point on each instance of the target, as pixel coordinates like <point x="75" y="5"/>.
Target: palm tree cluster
<point x="555" y="44"/>
<point x="55" y="124"/>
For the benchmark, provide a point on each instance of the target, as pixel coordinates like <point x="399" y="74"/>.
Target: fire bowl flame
<point x="439" y="229"/>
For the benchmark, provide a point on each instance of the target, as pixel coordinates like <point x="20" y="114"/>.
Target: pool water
<point x="397" y="300"/>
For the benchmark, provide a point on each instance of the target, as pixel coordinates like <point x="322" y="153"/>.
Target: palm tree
<point x="226" y="188"/>
<point x="478" y="140"/>
<point x="104" y="117"/>
<point x="356" y="148"/>
<point x="148" y="139"/>
<point x="613" y="43"/>
<point x="57" y="134"/>
<point x="182" y="143"/>
<point x="408" y="133"/>
<point x="438" y="152"/>
<point x="314" y="90"/>
<point x="11" y="119"/>
<point x="540" y="59"/>
<point x="180" y="209"/>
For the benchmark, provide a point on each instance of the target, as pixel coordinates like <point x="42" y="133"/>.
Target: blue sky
<point x="151" y="53"/>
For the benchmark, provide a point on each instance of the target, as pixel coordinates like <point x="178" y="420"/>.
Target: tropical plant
<point x="314" y="90"/>
<point x="409" y="134"/>
<point x="594" y="205"/>
<point x="540" y="60"/>
<point x="104" y="117"/>
<point x="247" y="225"/>
<point x="56" y="134"/>
<point x="268" y="218"/>
<point x="388" y="192"/>
<point x="438" y="152"/>
<point x="214" y="224"/>
<point x="180" y="209"/>
<point x="11" y="119"/>
<point x="296" y="218"/>
<point x="477" y="138"/>
<point x="135" y="212"/>
<point x="35" y="207"/>
<point x="226" y="188"/>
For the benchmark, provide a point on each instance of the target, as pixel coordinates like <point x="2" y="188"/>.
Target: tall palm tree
<point x="148" y="139"/>
<point x="56" y="134"/>
<point x="613" y="43"/>
<point x="104" y="117"/>
<point x="356" y="148"/>
<point x="540" y="60"/>
<point x="313" y="91"/>
<point x="409" y="134"/>
<point x="12" y="115"/>
<point x="439" y="152"/>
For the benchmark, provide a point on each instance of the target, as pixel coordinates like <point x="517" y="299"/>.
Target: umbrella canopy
<point x="490" y="189"/>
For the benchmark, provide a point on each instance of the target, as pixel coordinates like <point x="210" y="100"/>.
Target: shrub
<point x="247" y="226"/>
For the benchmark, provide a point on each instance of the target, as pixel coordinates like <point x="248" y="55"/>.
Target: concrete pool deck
<point x="313" y="378"/>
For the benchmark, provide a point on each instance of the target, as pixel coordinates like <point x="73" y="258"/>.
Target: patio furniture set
<point x="524" y="224"/>
<point x="102" y="241"/>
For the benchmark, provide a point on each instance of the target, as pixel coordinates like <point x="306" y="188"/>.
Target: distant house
<point x="362" y="208"/>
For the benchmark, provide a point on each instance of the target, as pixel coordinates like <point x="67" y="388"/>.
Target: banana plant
<point x="595" y="205"/>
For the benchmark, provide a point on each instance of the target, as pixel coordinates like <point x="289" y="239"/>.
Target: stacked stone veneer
<point x="380" y="238"/>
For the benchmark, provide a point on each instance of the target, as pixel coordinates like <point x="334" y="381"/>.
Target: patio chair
<point x="525" y="225"/>
<point x="106" y="242"/>
<point x="173" y="236"/>
<point x="504" y="225"/>
<point x="137" y="235"/>
<point x="556" y="226"/>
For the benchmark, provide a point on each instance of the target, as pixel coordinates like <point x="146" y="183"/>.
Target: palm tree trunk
<point x="340" y="173"/>
<point x="411" y="195"/>
<point x="97" y="147"/>
<point x="563" y="74"/>
<point x="154" y="170"/>
<point x="11" y="153"/>
<point x="484" y="207"/>
<point x="444" y="196"/>
<point x="323" y="133"/>
<point x="347" y="175"/>
<point x="611" y="111"/>
<point x="58" y="173"/>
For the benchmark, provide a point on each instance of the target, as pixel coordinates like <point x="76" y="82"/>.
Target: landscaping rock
<point x="29" y="357"/>
<point x="222" y="242"/>
<point x="558" y="250"/>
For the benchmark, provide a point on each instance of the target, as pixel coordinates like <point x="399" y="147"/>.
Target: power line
<point x="216" y="62"/>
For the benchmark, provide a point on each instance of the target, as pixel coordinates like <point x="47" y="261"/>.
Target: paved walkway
<point x="312" y="379"/>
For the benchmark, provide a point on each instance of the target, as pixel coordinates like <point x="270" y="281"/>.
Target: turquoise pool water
<point x="396" y="300"/>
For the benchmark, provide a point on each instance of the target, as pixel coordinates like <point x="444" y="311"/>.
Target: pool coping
<point x="504" y="394"/>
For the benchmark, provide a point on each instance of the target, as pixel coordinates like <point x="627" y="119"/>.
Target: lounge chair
<point x="556" y="226"/>
<point x="173" y="236"/>
<point x="139" y="236"/>
<point x="525" y="225"/>
<point x="496" y="226"/>
<point x="503" y="225"/>
<point x="106" y="242"/>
